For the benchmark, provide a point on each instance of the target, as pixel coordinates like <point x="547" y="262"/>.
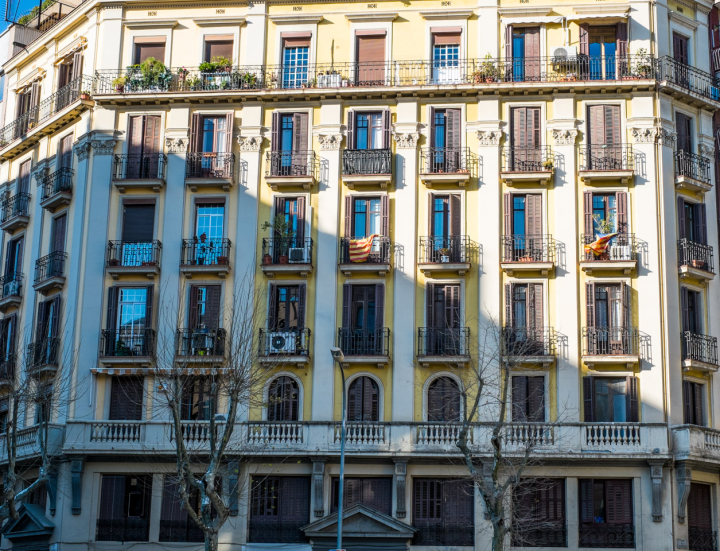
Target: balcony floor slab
<point x="627" y="267"/>
<point x="437" y="268"/>
<point x="697" y="365"/>
<point x="356" y="181"/>
<point x="10" y="302"/>
<point x="46" y="285"/>
<point x="427" y="361"/>
<point x="154" y="184"/>
<point x="697" y="274"/>
<point x="116" y="272"/>
<point x="281" y="182"/>
<point x="459" y="179"/>
<point x="379" y="361"/>
<point x="219" y="270"/>
<point x="512" y="268"/>
<point x="692" y="184"/>
<point x="364" y="269"/>
<point x="140" y="362"/>
<point x="15" y="223"/>
<point x="593" y="177"/>
<point x="629" y="360"/>
<point x="56" y="200"/>
<point x="542" y="177"/>
<point x="272" y="270"/>
<point x="195" y="183"/>
<point x="284" y="361"/>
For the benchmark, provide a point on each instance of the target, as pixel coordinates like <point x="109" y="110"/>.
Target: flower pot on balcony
<point x="699" y="264"/>
<point x="223" y="260"/>
<point x="283" y="259"/>
<point x="267" y="259"/>
<point x="84" y="96"/>
<point x="150" y="263"/>
<point x="526" y="258"/>
<point x="114" y="262"/>
<point x="604" y="256"/>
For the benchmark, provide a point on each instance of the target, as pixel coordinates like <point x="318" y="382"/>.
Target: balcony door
<point x="295" y="59"/>
<point x="692" y="312"/>
<point x="684" y="125"/>
<point x="528" y="399"/>
<point x="700" y="517"/>
<point x="608" y="318"/>
<point x="445" y="226"/>
<point x="446" y="55"/>
<point x="681" y="49"/>
<point x="209" y="232"/>
<point x="289" y="144"/>
<point x="124" y="510"/>
<point x="293" y="209"/>
<point x="69" y="70"/>
<point x="59" y="229"/>
<point x="129" y="313"/>
<point x="65" y="152"/>
<point x="13" y="262"/>
<point x="8" y="331"/>
<point x="137" y="234"/>
<point x="27" y="101"/>
<point x="283" y="400"/>
<point x="211" y="145"/>
<point x="524" y="318"/>
<point x="523" y="227"/>
<point x="693" y="403"/>
<point x="198" y="402"/>
<point x="126" y="398"/>
<point x="370" y="47"/>
<point x="522" y="45"/>
<point x="363" y="401"/>
<point x="363" y="319"/>
<point x="287" y="308"/>
<point x="143" y="147"/>
<point x="204" y="313"/>
<point x="445" y="141"/>
<point x="370" y="130"/>
<point x="602" y="50"/>
<point x="367" y="217"/>
<point x="444" y="401"/>
<point x="525" y="139"/>
<point x="443" y="334"/>
<point x="605" y="150"/>
<point x="23" y="183"/>
<point x="47" y="331"/>
<point x="610" y="399"/>
<point x="363" y="308"/>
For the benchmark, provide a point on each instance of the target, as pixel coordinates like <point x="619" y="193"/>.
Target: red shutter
<point x="589" y="399"/>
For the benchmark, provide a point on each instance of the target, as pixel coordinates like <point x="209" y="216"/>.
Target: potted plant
<point x="548" y="164"/>
<point x="203" y="237"/>
<point x="114" y="262"/>
<point x="266" y="260"/>
<point x="697" y="263"/>
<point x="148" y="263"/>
<point x="444" y="254"/>
<point x="223" y="260"/>
<point x="222" y="64"/>
<point x="643" y="67"/>
<point x="193" y="83"/>
<point x="120" y="348"/>
<point x="119" y="84"/>
<point x="283" y="235"/>
<point x="489" y="70"/>
<point x="85" y="95"/>
<point x="154" y="74"/>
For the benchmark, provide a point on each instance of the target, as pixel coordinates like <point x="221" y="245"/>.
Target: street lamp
<point x="339" y="357"/>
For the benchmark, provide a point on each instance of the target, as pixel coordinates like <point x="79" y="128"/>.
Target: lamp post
<point x="339" y="357"/>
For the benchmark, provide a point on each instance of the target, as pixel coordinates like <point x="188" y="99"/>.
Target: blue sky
<point x="24" y="7"/>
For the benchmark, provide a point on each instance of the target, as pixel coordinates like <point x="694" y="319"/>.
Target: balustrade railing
<point x="52" y="265"/>
<point x="209" y="165"/>
<point x="613" y="435"/>
<point x="364" y="342"/>
<point x="211" y="251"/>
<point x="439" y="249"/>
<point x="59" y="181"/>
<point x="362" y="433"/>
<point x="356" y="162"/>
<point x="699" y="348"/>
<point x="439" y="434"/>
<point x="117" y="431"/>
<point x="276" y="433"/>
<point x="530" y="435"/>
<point x="695" y="255"/>
<point x="528" y="248"/>
<point x="134" y="253"/>
<point x="17" y="205"/>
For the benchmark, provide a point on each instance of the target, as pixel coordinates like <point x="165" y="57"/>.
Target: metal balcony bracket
<point x="683" y="476"/>
<point x="656" y="475"/>
<point x="319" y="487"/>
<point x="77" y="466"/>
<point x="400" y="476"/>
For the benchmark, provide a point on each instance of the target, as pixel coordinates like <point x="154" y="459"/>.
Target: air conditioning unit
<point x="11" y="288"/>
<point x="297" y="255"/>
<point x="282" y="343"/>
<point x="564" y="53"/>
<point x="620" y="252"/>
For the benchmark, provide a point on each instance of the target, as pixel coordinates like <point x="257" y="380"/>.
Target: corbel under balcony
<point x="691" y="273"/>
<point x="281" y="182"/>
<point x="600" y="360"/>
<point x="360" y="181"/>
<point x="298" y="361"/>
<point x="541" y="177"/>
<point x="697" y="365"/>
<point x="15" y="222"/>
<point x="10" y="301"/>
<point x="592" y="177"/>
<point x="219" y="270"/>
<point x="436" y="269"/>
<point x="459" y="179"/>
<point x="49" y="284"/>
<point x="694" y="185"/>
<point x="456" y="361"/>
<point x="364" y="269"/>
<point x="139" y="362"/>
<point x="514" y="268"/>
<point x="591" y="267"/>
<point x="201" y="183"/>
<point x="148" y="269"/>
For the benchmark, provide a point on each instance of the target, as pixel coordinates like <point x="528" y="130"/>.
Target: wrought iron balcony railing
<point x="622" y="247"/>
<point x="379" y="252"/>
<point x="607" y="157"/>
<point x="59" y="181"/>
<point x="702" y="539"/>
<point x="210" y="165"/>
<point x="527" y="159"/>
<point x="699" y="348"/>
<point x="180" y="531"/>
<point x="134" y="253"/>
<point x="140" y="166"/>
<point x="279" y="250"/>
<point x="528" y="248"/>
<point x="444" y="249"/>
<point x="615" y="536"/>
<point x="11" y="285"/>
<point x="264" y="531"/>
<point x="695" y="255"/>
<point x="521" y="341"/>
<point x="44" y="352"/>
<point x="364" y="342"/>
<point x="7" y="367"/>
<point x="445" y="533"/>
<point x="541" y="533"/>
<point x="291" y="163"/>
<point x="688" y="77"/>
<point x="366" y="161"/>
<point x="692" y="166"/>
<point x="17" y="205"/>
<point x="209" y="252"/>
<point x="200" y="342"/>
<point x="137" y="342"/>
<point x="284" y="342"/>
<point x="445" y="160"/>
<point x="443" y="341"/>
<point x="611" y="341"/>
<point x="52" y="265"/>
<point x="123" y="529"/>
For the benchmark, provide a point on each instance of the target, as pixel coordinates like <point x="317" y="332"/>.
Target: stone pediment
<point x="31" y="525"/>
<point x="360" y="521"/>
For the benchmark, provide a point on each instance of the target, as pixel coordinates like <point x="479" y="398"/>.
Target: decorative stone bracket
<point x="103" y="147"/>
<point x="667" y="137"/>
<point x="656" y="475"/>
<point x="176" y="145"/>
<point x="406" y="140"/>
<point x="564" y="136"/>
<point x="77" y="466"/>
<point x="82" y="150"/>
<point x="648" y="134"/>
<point x="683" y="475"/>
<point x="330" y="141"/>
<point x="249" y="143"/>
<point x="41" y="171"/>
<point x="319" y="487"/>
<point x="489" y="137"/>
<point x="400" y="478"/>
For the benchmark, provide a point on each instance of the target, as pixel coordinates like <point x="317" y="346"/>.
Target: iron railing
<point x="523" y="341"/>
<point x="181" y="531"/>
<point x="7" y="367"/>
<point x="443" y="341"/>
<point x="140" y="166"/>
<point x="34" y="24"/>
<point x="379" y="253"/>
<point x="210" y="252"/>
<point x="280" y="531"/>
<point x="695" y="255"/>
<point x="607" y="157"/>
<point x="59" y="181"/>
<point x="527" y="159"/>
<point x="444" y="249"/>
<point x="280" y="250"/>
<point x="44" y="110"/>
<point x="366" y="161"/>
<point x="613" y="536"/>
<point x="44" y="351"/>
<point x="700" y="348"/>
<point x="542" y="533"/>
<point x="52" y="265"/>
<point x="284" y="342"/>
<point x="291" y="163"/>
<point x="201" y="342"/>
<point x="621" y="247"/>
<point x="687" y="77"/>
<point x="702" y="539"/>
<point x="210" y="165"/>
<point x="364" y="342"/>
<point x="11" y="285"/>
<point x="139" y="342"/>
<point x="123" y="529"/>
<point x="528" y="248"/>
<point x="611" y="341"/>
<point x="445" y="160"/>
<point x="134" y="253"/>
<point x="444" y="533"/>
<point x="17" y="205"/>
<point x="692" y="166"/>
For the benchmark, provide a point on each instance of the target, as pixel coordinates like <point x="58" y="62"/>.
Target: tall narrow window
<point x="126" y="398"/>
<point x="604" y="151"/>
<point x="525" y="53"/>
<point x="602" y="50"/>
<point x="363" y="400"/>
<point x="124" y="510"/>
<point x="198" y="402"/>
<point x="143" y="160"/>
<point x="606" y="513"/>
<point x="295" y="59"/>
<point x="700" y="517"/>
<point x="693" y="403"/>
<point x="375" y="493"/>
<point x="367" y="217"/>
<point x="209" y="231"/>
<point x="219" y="46"/>
<point x="528" y="398"/>
<point x="443" y="512"/>
<point x="539" y="513"/>
<point x="446" y="54"/>
<point x="369" y="131"/>
<point x="362" y="330"/>
<point x="283" y="400"/>
<point x="443" y="401"/>
<point x="205" y="306"/>
<point x="290" y="150"/>
<point x="370" y="57"/>
<point x="287" y="307"/>
<point x="13" y="259"/>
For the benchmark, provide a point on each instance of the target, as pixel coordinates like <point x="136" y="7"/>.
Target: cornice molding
<point x="525" y="11"/>
<point x="150" y="23"/>
<point x="295" y="18"/>
<point x="590" y="9"/>
<point x="691" y="23"/>
<point x="362" y="17"/>
<point x="446" y="14"/>
<point x="203" y="21"/>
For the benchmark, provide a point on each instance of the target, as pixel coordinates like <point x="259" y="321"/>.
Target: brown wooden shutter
<point x="698" y="401"/>
<point x="135" y="134"/>
<point x="446" y="35"/>
<point x="458" y="500"/>
<point x="195" y="143"/>
<point x="584" y="39"/>
<point x="385" y="215"/>
<point x="193" y="312"/>
<point x="294" y="500"/>
<point x="112" y="498"/>
<point x="371" y="48"/>
<point x="587" y="503"/>
<point x="517" y="123"/>
<point x="351" y="137"/>
<point x="229" y="126"/>
<point x="684" y="134"/>
<point x="685" y="312"/>
<point x="112" y="305"/>
<point x="621" y="39"/>
<point x="300" y="132"/>
<point x="455" y="215"/>
<point x="40" y="322"/>
<point x="55" y="317"/>
<point x="535" y="317"/>
<point x="275" y="132"/>
<point x="431" y="214"/>
<point x="379" y="305"/>
<point x="589" y="226"/>
<point x="699" y="507"/>
<point x="126" y="398"/>
<point x="533" y="215"/>
<point x="432" y="127"/>
<point x="536" y="399"/>
<point x="618" y="500"/>
<point x="631" y="399"/>
<point x="680" y="48"/>
<point x="143" y="51"/>
<point x="596" y="118"/>
<point x="387" y="128"/>
<point x="452" y="120"/>
<point x="688" y="402"/>
<point x="625" y="300"/>
<point x="149" y="298"/>
<point x="377" y="493"/>
<point x="612" y="125"/>
<point x="272" y="308"/>
<point x="59" y="225"/>
<point x="34" y="94"/>
<point x="622" y="211"/>
<point x="301" y="306"/>
<point x="519" y="398"/>
<point x="355" y="398"/>
<point x="349" y="216"/>
<point x="347" y="312"/>
<point x="508" y="42"/>
<point x="681" y="217"/>
<point x="507" y="215"/>
<point x="172" y="510"/>
<point x="218" y="48"/>
<point x="151" y="139"/>
<point x="430" y="305"/>
<point x="11" y="324"/>
<point x="212" y="306"/>
<point x="77" y="66"/>
<point x="138" y="223"/>
<point x="509" y="305"/>
<point x="701" y="219"/>
<point x="532" y="52"/>
<point x="588" y="399"/>
<point x="590" y="304"/>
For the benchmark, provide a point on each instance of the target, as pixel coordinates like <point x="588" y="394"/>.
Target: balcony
<point x="282" y="347"/>
<point x="529" y="347"/>
<point x="702" y="539"/>
<point x="200" y="346"/>
<point x="28" y="445"/>
<point x="366" y="167"/>
<point x="377" y="260"/>
<point x="123" y="529"/>
<point x="50" y="272"/>
<point x="607" y="164"/>
<point x="205" y="257"/>
<point x="51" y="114"/>
<point x="439" y="255"/>
<point x="546" y="534"/>
<point x="291" y="169"/>
<point x="693" y="85"/>
<point x="693" y="442"/>
<point x="44" y="356"/>
<point x="699" y="352"/>
<point x="283" y="258"/>
<point x="695" y="261"/>
<point x="365" y="346"/>
<point x="15" y="212"/>
<point x="210" y="170"/>
<point x="11" y="291"/>
<point x="443" y="346"/>
<point x="57" y="189"/>
<point x="611" y="345"/>
<point x="619" y="256"/>
<point x="692" y="172"/>
<point x="139" y="171"/>
<point x="528" y="253"/>
<point x="131" y="258"/>
<point x="7" y="370"/>
<point x="127" y="346"/>
<point x="180" y="531"/>
<point x="523" y="165"/>
<point x="446" y="166"/>
<point x="598" y="535"/>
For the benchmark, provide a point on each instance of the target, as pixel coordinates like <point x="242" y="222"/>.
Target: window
<point x="363" y="307"/>
<point x="602" y="50"/>
<point x="2" y="87"/>
<point x="126" y="399"/>
<point x="214" y="134"/>
<point x="445" y="218"/>
<point x="604" y="150"/>
<point x="287" y="307"/>
<point x="693" y="403"/>
<point x="367" y="217"/>
<point x="524" y="307"/>
<point x="363" y="320"/>
<point x="445" y="141"/>
<point x="13" y="261"/>
<point x="129" y="314"/>
<point x="124" y="512"/>
<point x="684" y="127"/>
<point x="70" y="69"/>
<point x="143" y="147"/>
<point x="279" y="507"/>
<point x="4" y="410"/>
<point x="611" y="399"/>
<point x="45" y="348"/>
<point x="692" y="312"/>
<point x="523" y="225"/>
<point x="290" y="144"/>
<point x="23" y="182"/>
<point x="27" y="101"/>
<point x="363" y="400"/>
<point x="65" y="152"/>
<point x="370" y="57"/>
<point x="443" y="307"/>
<point x="524" y="46"/>
<point x="38" y="496"/>
<point x="539" y="513"/>
<point x="701" y="533"/>
<point x="369" y="131"/>
<point x="137" y="234"/>
<point x="528" y="399"/>
<point x="283" y="400"/>
<point x="446" y="54"/>
<point x="373" y="492"/>
<point x="59" y="225"/>
<point x="8" y="331"/>
<point x="680" y="48"/>
<point x="43" y="405"/>
<point x="606" y="513"/>
<point x="443" y="401"/>
<point x="132" y="306"/>
<point x="149" y="46"/>
<point x="609" y="328"/>
<point x="525" y="140"/>
<point x="204" y="306"/>
<point x="198" y="401"/>
<point x="443" y="512"/>
<point x="293" y="208"/>
<point x="295" y="59"/>
<point x="175" y="524"/>
<point x="219" y="46"/>
<point x="692" y="223"/>
<point x="209" y="232"/>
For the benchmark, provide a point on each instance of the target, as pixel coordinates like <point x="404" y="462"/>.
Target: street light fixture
<point x="339" y="357"/>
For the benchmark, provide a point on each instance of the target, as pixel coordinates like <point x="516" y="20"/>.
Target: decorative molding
<point x="149" y="23"/>
<point x="41" y="171"/>
<point x="79" y="44"/>
<point x="295" y="18"/>
<point x="564" y="136"/>
<point x="32" y="76"/>
<point x="82" y="150"/>
<point x="645" y="135"/>
<point x="446" y="14"/>
<point x="656" y="475"/>
<point x="229" y="20"/>
<point x="373" y="17"/>
<point x="489" y="137"/>
<point x="233" y="476"/>
<point x="400" y="479"/>
<point x="591" y="9"/>
<point x="249" y="143"/>
<point x="706" y="150"/>
<point x="330" y="141"/>
<point x="176" y="145"/>
<point x="667" y="137"/>
<point x="686" y="21"/>
<point x="683" y="475"/>
<point x="103" y="147"/>
<point x="525" y="11"/>
<point x="406" y="140"/>
<point x="319" y="487"/>
<point x="77" y="466"/>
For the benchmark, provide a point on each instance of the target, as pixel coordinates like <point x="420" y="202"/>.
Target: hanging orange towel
<point x="360" y="248"/>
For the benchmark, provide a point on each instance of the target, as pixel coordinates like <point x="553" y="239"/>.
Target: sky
<point x="22" y="7"/>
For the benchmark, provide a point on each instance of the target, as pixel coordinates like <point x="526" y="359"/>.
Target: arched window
<point x="363" y="400"/>
<point x="443" y="400"/>
<point x="283" y="400"/>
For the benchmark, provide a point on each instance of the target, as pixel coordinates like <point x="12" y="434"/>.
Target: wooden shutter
<point x="685" y="311"/>
<point x="584" y="39"/>
<point x="149" y="298"/>
<point x="151" y="139"/>
<point x="283" y="400"/>
<point x="349" y="216"/>
<point x="272" y="308"/>
<point x="688" y="403"/>
<point x="275" y="132"/>
<point x="684" y="134"/>
<point x="387" y="128"/>
<point x="698" y="401"/>
<point x="351" y="137"/>
<point x="625" y="300"/>
<point x="212" y="306"/>
<point x="377" y="493"/>
<point x="532" y="52"/>
<point x="507" y="215"/>
<point x="34" y="94"/>
<point x="455" y="214"/>
<point x="533" y="215"/>
<point x="370" y="400"/>
<point x="40" y="322"/>
<point x="112" y="305"/>
<point x="701" y="224"/>
<point x="618" y="501"/>
<point x="525" y="123"/>
<point x="452" y="122"/>
<point x="371" y="48"/>
<point x="301" y="307"/>
<point x="347" y="303"/>
<point x="300" y="214"/>
<point x="218" y="48"/>
<point x="631" y="399"/>
<point x="11" y="325"/>
<point x="590" y="304"/>
<point x="172" y="509"/>
<point x="55" y="316"/>
<point x="59" y="225"/>
<point x="458" y="500"/>
<point x="143" y="51"/>
<point x="294" y="500"/>
<point x="680" y="48"/>
<point x="587" y="502"/>
<point x="621" y="39"/>
<point x="681" y="217"/>
<point x="196" y="134"/>
<point x="77" y="65"/>
<point x="622" y="211"/>
<point x="379" y="306"/>
<point x="112" y="498"/>
<point x="446" y="35"/>
<point x="519" y="398"/>
<point x="430" y="305"/>
<point x="589" y="399"/>
<point x="138" y="223"/>
<point x="509" y="305"/>
<point x="699" y="507"/>
<point x="535" y="303"/>
<point x="66" y="156"/>
<point x="300" y="132"/>
<point x="536" y="399"/>
<point x="385" y="215"/>
<point x="589" y="226"/>
<point x="126" y="398"/>
<point x="432" y="127"/>
<point x="508" y="42"/>
<point x="193" y="312"/>
<point x="355" y="395"/>
<point x="135" y="134"/>
<point x="229" y="125"/>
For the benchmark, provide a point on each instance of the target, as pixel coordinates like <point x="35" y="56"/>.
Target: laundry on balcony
<point x="600" y="245"/>
<point x="360" y="248"/>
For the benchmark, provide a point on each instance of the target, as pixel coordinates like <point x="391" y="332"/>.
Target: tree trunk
<point x="211" y="541"/>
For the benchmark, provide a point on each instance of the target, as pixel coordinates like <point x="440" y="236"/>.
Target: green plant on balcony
<point x="643" y="65"/>
<point x="151" y="73"/>
<point x="489" y="71"/>
<point x="119" y="83"/>
<point x="548" y="164"/>
<point x="283" y="236"/>
<point x="121" y="349"/>
<point x="604" y="225"/>
<point x="193" y="83"/>
<point x="245" y="80"/>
